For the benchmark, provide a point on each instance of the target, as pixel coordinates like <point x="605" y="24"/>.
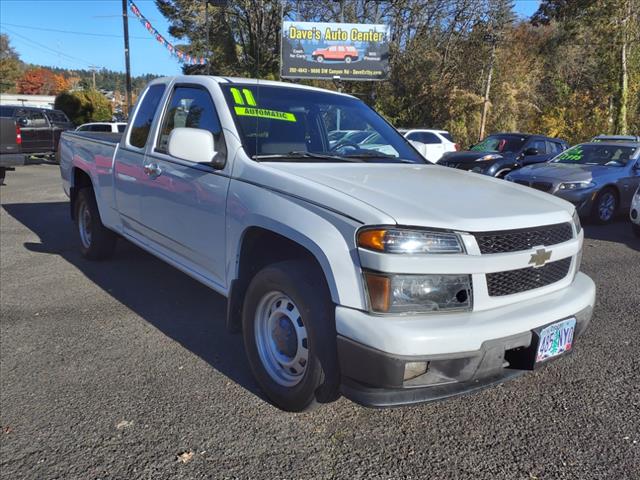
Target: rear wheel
<point x="605" y="206"/>
<point x="320" y="59"/>
<point x="289" y="335"/>
<point x="96" y="241"/>
<point x="347" y="59"/>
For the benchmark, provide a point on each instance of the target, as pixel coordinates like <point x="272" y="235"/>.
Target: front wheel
<point x="97" y="242"/>
<point x="289" y="335"/>
<point x="319" y="59"/>
<point x="347" y="59"/>
<point x="605" y="206"/>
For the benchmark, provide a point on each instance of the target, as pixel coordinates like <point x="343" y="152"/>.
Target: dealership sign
<point x="345" y="51"/>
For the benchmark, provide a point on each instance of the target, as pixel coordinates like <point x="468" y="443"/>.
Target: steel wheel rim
<point x="84" y="225"/>
<point x="281" y="339"/>
<point x="606" y="206"/>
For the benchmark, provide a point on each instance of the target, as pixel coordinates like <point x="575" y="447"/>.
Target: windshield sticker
<point x="264" y="113"/>
<point x="572" y="155"/>
<point x="248" y="95"/>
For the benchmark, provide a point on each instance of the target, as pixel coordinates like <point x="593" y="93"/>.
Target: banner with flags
<point x="183" y="57"/>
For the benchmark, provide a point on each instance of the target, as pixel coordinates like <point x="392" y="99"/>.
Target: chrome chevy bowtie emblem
<point x="539" y="258"/>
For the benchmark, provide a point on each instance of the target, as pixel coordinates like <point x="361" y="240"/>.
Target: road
<point x="123" y="370"/>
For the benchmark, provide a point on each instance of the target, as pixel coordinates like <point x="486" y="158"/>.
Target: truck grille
<point x="523" y="239"/>
<point x="523" y="279"/>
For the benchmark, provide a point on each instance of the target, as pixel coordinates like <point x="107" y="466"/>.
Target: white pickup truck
<point x="366" y="272"/>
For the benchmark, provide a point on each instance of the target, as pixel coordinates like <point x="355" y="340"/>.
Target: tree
<point x="10" y="65"/>
<point x="37" y="81"/>
<point x="84" y="106"/>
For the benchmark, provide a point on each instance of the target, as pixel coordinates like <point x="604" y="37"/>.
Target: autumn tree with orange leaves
<point x="41" y="81"/>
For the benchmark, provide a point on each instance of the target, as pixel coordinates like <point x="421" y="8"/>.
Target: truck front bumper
<point x="461" y="353"/>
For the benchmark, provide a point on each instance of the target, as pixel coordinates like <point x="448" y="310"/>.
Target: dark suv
<point x="40" y="128"/>
<point x="501" y="153"/>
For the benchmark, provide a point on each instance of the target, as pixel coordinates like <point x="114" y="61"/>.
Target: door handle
<point x="152" y="170"/>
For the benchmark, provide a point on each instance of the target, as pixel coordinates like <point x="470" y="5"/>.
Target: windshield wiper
<point x="367" y="155"/>
<point x="296" y="155"/>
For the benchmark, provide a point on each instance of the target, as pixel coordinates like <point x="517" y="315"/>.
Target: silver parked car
<point x="599" y="178"/>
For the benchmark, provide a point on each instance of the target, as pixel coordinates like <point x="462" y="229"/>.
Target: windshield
<point x="500" y="143"/>
<point x="607" y="155"/>
<point x="306" y="125"/>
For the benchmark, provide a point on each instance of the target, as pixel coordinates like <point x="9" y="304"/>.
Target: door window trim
<point x="154" y="146"/>
<point x="127" y="143"/>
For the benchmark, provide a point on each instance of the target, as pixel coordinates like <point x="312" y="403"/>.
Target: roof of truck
<point x="246" y="81"/>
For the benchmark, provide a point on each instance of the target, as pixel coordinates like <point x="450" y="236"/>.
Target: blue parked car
<point x="599" y="178"/>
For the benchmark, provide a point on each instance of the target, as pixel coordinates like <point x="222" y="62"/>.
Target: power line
<point x="40" y="45"/>
<point x="110" y="35"/>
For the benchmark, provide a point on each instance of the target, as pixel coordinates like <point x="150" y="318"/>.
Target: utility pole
<point x="485" y="104"/>
<point x="93" y="74"/>
<point x="125" y="23"/>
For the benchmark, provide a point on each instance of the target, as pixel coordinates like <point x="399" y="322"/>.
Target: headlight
<point x="397" y="240"/>
<point x="576" y="221"/>
<point x="491" y="156"/>
<point x="418" y="293"/>
<point x="576" y="185"/>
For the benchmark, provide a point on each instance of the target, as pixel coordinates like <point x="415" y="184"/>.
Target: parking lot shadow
<point x="619" y="231"/>
<point x="174" y="303"/>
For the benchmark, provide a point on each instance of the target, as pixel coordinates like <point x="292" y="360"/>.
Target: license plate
<point x="555" y="339"/>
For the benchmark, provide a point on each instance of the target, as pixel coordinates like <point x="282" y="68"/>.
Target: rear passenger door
<point x="183" y="207"/>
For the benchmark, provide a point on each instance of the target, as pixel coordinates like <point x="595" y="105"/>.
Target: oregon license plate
<point x="555" y="339"/>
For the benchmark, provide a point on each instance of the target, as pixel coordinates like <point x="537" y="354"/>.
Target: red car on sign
<point x="335" y="52"/>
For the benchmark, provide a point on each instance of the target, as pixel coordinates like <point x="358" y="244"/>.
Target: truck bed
<point x="106" y="137"/>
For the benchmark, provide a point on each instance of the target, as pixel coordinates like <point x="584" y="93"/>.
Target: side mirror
<point x="531" y="151"/>
<point x="23" y="122"/>
<point x="194" y="145"/>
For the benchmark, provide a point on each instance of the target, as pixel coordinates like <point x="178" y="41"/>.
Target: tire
<point x="605" y="206"/>
<point x="96" y="241"/>
<point x="636" y="229"/>
<point x="503" y="173"/>
<point x="319" y="59"/>
<point x="288" y="326"/>
<point x="347" y="59"/>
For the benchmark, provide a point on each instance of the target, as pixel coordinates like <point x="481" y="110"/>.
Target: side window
<point x="101" y="128"/>
<point x="144" y="116"/>
<point x="554" y="147"/>
<point x="415" y="136"/>
<point x="539" y="145"/>
<point x="189" y="107"/>
<point x="37" y="119"/>
<point x="121" y="128"/>
<point x="429" y="138"/>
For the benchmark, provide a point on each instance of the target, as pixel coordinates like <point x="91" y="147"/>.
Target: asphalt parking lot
<point x="123" y="369"/>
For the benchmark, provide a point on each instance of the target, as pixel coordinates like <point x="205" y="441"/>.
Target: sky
<point x="89" y="33"/>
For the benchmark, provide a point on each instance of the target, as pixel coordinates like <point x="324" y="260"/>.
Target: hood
<point x="469" y="156"/>
<point x="433" y="196"/>
<point x="565" y="172"/>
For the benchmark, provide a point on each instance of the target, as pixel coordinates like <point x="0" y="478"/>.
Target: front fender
<point x="329" y="236"/>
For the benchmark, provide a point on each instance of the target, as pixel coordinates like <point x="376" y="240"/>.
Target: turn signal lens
<point x="400" y="240"/>
<point x="379" y="288"/>
<point x="372" y="239"/>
